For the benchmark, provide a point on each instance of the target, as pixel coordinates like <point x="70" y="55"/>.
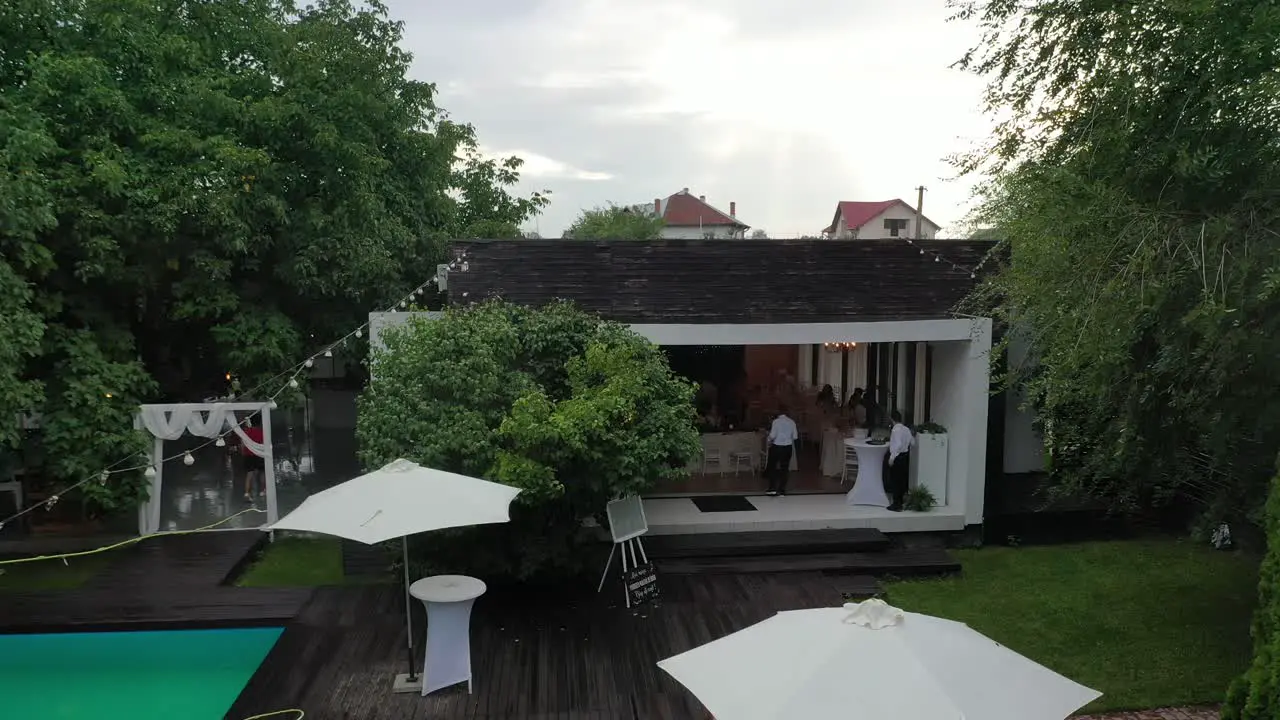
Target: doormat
<point x="723" y="503"/>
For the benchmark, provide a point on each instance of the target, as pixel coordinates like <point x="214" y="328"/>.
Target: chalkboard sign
<point x="642" y="584"/>
<point x="626" y="518"/>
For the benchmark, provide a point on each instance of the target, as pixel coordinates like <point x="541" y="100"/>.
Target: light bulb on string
<point x="187" y="459"/>
<point x="53" y="500"/>
<point x="272" y="405"/>
<point x="359" y="332"/>
<point x="220" y="442"/>
<point x="106" y="475"/>
<point x="328" y="353"/>
<point x="937" y="259"/>
<point x="293" y="382"/>
<point x="309" y="362"/>
<point x="150" y="472"/>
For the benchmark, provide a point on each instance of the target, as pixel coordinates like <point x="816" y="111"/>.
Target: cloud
<point x="541" y="167"/>
<point x="785" y="107"/>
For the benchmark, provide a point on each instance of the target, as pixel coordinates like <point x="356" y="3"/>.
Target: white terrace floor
<point x="676" y="516"/>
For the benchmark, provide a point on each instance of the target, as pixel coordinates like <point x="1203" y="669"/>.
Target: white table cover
<point x="448" y="599"/>
<point x="869" y="487"/>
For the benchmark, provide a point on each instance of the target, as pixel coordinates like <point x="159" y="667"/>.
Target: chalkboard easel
<point x="626" y="524"/>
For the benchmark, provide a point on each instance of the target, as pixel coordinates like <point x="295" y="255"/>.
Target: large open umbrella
<point x="396" y="501"/>
<point x="870" y="660"/>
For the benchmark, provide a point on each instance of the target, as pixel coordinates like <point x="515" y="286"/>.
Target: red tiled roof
<point x="857" y="214"/>
<point x="685" y="210"/>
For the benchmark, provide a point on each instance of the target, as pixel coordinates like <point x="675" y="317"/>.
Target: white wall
<point x="695" y="233"/>
<point x="959" y="402"/>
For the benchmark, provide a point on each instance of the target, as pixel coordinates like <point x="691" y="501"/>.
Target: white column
<point x="922" y="364"/>
<point x="157" y="482"/>
<point x="804" y="364"/>
<point x="269" y="467"/>
<point x="976" y="393"/>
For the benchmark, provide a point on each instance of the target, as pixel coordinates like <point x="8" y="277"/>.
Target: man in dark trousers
<point x="782" y="438"/>
<point x="899" y="459"/>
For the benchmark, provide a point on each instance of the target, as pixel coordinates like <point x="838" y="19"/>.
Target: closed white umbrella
<point x="869" y="660"/>
<point x="401" y="499"/>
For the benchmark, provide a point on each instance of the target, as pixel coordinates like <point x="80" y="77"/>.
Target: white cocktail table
<point x="448" y="599"/>
<point x="868" y="489"/>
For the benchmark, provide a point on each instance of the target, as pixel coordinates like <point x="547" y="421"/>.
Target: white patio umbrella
<point x="401" y="499"/>
<point x="869" y="660"/>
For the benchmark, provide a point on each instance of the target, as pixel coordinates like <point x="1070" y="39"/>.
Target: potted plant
<point x="929" y="461"/>
<point x="919" y="499"/>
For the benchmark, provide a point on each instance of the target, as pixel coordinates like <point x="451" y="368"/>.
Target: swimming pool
<point x="152" y="675"/>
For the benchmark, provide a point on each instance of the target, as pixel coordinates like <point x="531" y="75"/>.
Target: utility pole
<point x="919" y="209"/>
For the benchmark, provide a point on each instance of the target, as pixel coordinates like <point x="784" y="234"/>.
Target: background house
<point x="878" y="220"/>
<point x="691" y="218"/>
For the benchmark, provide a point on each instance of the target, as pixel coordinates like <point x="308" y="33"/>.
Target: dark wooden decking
<point x="164" y="582"/>
<point x="536" y="655"/>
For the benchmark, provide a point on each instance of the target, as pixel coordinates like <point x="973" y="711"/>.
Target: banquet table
<point x="868" y="489"/>
<point x="732" y="442"/>
<point x="448" y="599"/>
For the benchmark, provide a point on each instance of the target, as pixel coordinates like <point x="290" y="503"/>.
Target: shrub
<point x="1256" y="695"/>
<point x="572" y="410"/>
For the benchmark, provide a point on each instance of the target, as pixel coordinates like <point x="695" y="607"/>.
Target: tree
<point x="1133" y="183"/>
<point x="616" y="222"/>
<point x="572" y="410"/>
<point x="191" y="188"/>
<point x="759" y="235"/>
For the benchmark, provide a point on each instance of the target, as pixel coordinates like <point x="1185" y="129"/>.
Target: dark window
<point x="895" y="227"/>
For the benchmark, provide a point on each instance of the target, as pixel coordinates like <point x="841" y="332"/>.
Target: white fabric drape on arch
<point x="173" y="424"/>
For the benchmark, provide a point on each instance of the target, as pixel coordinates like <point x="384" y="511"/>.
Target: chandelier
<point x="839" y="346"/>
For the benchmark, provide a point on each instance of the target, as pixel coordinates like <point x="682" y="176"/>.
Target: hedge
<point x="1256" y="695"/>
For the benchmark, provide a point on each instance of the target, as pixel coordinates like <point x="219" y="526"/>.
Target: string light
<point x="938" y="258"/>
<point x="149" y="467"/>
<point x="839" y="346"/>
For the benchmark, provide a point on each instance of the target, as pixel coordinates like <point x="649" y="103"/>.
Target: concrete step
<point x="763" y="543"/>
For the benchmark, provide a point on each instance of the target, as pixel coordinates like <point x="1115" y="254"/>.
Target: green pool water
<point x="161" y="675"/>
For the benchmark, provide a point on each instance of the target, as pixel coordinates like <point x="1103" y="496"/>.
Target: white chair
<point x="742" y="460"/>
<point x="710" y="459"/>
<point x="850" y="465"/>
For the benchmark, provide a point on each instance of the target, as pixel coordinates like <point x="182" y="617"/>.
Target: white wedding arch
<point x="170" y="421"/>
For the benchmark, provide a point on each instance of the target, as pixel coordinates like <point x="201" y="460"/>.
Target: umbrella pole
<point x="408" y="607"/>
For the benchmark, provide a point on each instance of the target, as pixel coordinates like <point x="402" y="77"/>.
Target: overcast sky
<point x="784" y="106"/>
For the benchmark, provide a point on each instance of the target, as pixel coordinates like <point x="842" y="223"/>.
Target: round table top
<point x="447" y="588"/>
<point x="851" y="442"/>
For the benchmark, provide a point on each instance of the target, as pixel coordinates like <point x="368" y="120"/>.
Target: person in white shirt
<point x="782" y="438"/>
<point x="899" y="459"/>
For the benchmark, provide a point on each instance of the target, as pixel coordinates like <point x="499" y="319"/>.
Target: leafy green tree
<point x="191" y="188"/>
<point x="616" y="222"/>
<point x="1133" y="178"/>
<point x="572" y="410"/>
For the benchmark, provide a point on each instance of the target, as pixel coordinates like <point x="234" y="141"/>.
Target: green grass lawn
<point x="1149" y="623"/>
<point x="296" y="562"/>
<point x="51" y="574"/>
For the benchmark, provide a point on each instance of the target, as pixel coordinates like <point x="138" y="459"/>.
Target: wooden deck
<point x="160" y="583"/>
<point x="536" y="655"/>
